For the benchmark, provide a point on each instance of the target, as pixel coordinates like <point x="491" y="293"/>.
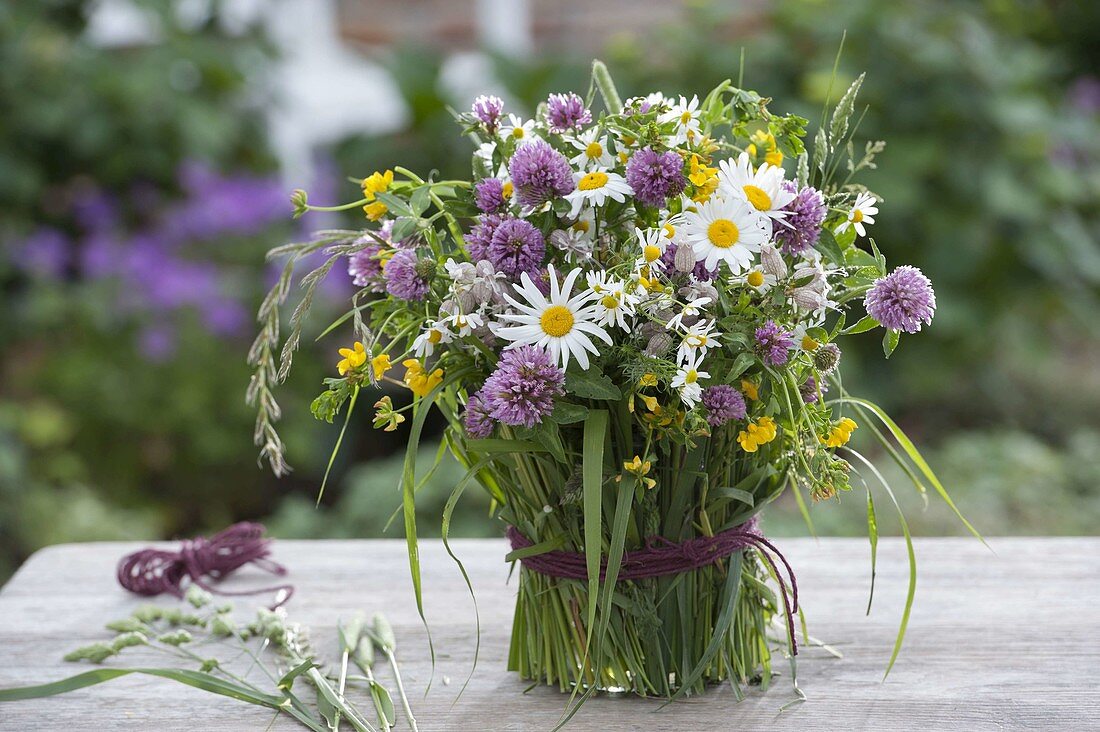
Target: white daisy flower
<point x="686" y="115"/>
<point x="697" y="339"/>
<point x="757" y="279"/>
<point x="763" y="187"/>
<point x="559" y="323"/>
<point x="726" y="230"/>
<point x="653" y="243"/>
<point x="516" y="128"/>
<point x="689" y="310"/>
<point x="465" y="323"/>
<point x="614" y="304"/>
<point x="596" y="187"/>
<point x="863" y="212"/>
<point x="594" y="150"/>
<point x="437" y="333"/>
<point x="687" y="381"/>
<point x="485" y="152"/>
<point x="803" y="340"/>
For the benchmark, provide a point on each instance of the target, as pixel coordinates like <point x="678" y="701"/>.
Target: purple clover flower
<point x="477" y="420"/>
<point x="809" y="390"/>
<point x="479" y="238"/>
<point x="902" y="300"/>
<point x="801" y="229"/>
<point x="566" y="112"/>
<point x="488" y="110"/>
<point x="773" y="344"/>
<point x="489" y="195"/>
<point x="365" y="268"/>
<point x="522" y="389"/>
<point x="539" y="173"/>
<point x="402" y="278"/>
<point x="723" y="403"/>
<point x="517" y="246"/>
<point x="654" y="176"/>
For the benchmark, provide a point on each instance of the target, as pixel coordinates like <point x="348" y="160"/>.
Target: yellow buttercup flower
<point x="419" y="381"/>
<point x="763" y="144"/>
<point x="354" y="357"/>
<point x="380" y="364"/>
<point x="840" y="433"/>
<point x="757" y="433"/>
<point x="704" y="178"/>
<point x="751" y="389"/>
<point x="648" y="380"/>
<point x="372" y="185"/>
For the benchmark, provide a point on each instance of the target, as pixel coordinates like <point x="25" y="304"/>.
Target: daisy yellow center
<point x="517" y="132"/>
<point x="691" y="376"/>
<point x="434" y="336"/>
<point x="670" y="230"/>
<point x="556" y="321"/>
<point x="857" y="215"/>
<point x="609" y="301"/>
<point x="756" y="278"/>
<point x="760" y="200"/>
<point x="581" y="226"/>
<point x="592" y="181"/>
<point x="594" y="150"/>
<point x="723" y="233"/>
<point x="685" y="118"/>
<point x="652" y="253"/>
<point x="506" y="190"/>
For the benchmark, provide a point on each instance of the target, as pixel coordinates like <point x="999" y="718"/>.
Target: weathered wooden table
<point x="1009" y="640"/>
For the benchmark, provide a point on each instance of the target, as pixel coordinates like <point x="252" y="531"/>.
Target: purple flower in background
<point x="489" y="195"/>
<point x="479" y="424"/>
<point x="809" y="390"/>
<point x="655" y="176"/>
<point x="539" y="173"/>
<point x="516" y="246"/>
<point x="157" y="343"/>
<point x="566" y="112"/>
<point x="225" y="317"/>
<point x="773" y="343"/>
<point x="723" y="403"/>
<point x="522" y="389"/>
<point x="801" y="228"/>
<point x="902" y="300"/>
<point x="488" y="109"/>
<point x="479" y="238"/>
<point x="44" y="253"/>
<point x="402" y="278"/>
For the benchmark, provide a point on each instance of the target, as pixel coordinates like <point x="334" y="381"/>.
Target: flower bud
<point x="425" y="269"/>
<point x="772" y="261"/>
<point x="684" y="258"/>
<point x="827" y="358"/>
<point x="659" y="345"/>
<point x="807" y="298"/>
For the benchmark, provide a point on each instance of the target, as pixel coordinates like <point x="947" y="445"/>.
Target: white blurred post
<point x="504" y="26"/>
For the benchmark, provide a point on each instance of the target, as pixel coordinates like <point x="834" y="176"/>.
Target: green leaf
<point x="830" y="247"/>
<point x="492" y="445"/>
<point x="396" y="206"/>
<point x="287" y="679"/>
<point x="383" y="703"/>
<point x="890" y="342"/>
<point x="595" y="435"/>
<point x="740" y="364"/>
<point x="591" y="384"/>
<point x="404" y="227"/>
<point x="568" y="413"/>
<point x="872" y="534"/>
<point x="419" y="200"/>
<point x="865" y="324"/>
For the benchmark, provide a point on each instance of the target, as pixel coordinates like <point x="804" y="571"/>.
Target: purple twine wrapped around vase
<point x="154" y="571"/>
<point x="661" y="556"/>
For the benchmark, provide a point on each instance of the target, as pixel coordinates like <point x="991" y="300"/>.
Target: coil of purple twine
<point x="660" y="557"/>
<point x="154" y="571"/>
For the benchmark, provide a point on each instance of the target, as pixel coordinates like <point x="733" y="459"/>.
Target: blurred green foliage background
<point x="140" y="194"/>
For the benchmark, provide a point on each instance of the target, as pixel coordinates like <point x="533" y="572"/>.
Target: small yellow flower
<point x="757" y="433"/>
<point x="354" y="357"/>
<point x="751" y="389"/>
<point x="380" y="364"/>
<point x="385" y="417"/>
<point x="704" y="178"/>
<point x="763" y="144"/>
<point x="840" y="433"/>
<point x="419" y="381"/>
<point x="376" y="183"/>
<point x="648" y="380"/>
<point x="640" y="468"/>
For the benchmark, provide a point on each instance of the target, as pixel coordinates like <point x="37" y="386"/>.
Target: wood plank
<point x="997" y="641"/>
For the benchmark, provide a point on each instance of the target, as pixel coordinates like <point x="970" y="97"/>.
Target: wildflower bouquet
<point x="630" y="321"/>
